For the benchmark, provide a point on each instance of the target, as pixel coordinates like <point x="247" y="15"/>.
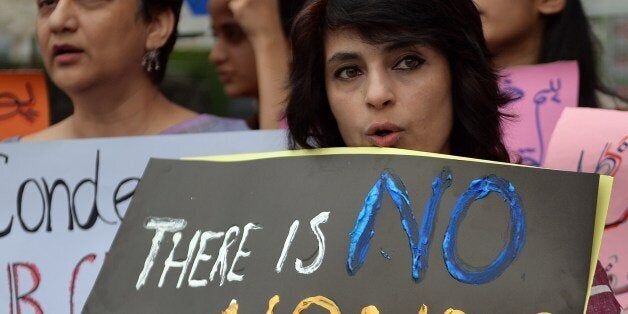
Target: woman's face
<point x="85" y="43"/>
<point x="388" y="95"/>
<point x="508" y="23"/>
<point x="232" y="53"/>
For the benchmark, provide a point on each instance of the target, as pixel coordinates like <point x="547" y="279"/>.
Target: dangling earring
<point x="151" y="60"/>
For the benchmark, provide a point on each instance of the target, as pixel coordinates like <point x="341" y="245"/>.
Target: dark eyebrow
<point x="342" y="56"/>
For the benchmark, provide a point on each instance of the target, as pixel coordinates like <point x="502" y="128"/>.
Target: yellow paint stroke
<point x="272" y="303"/>
<point x="423" y="309"/>
<point x="320" y="301"/>
<point x="371" y="309"/>
<point x="232" y="309"/>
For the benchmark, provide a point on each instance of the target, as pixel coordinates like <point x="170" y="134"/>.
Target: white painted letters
<point x="286" y="246"/>
<point x="170" y="262"/>
<point x="221" y="261"/>
<point x="231" y="276"/>
<point x="161" y="226"/>
<point x="314" y="224"/>
<point x="201" y="256"/>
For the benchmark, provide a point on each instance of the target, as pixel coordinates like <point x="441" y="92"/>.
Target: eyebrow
<point x="345" y="56"/>
<point x="342" y="56"/>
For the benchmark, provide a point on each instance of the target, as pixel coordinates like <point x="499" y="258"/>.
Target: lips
<point x="384" y="134"/>
<point x="66" y="54"/>
<point x="224" y="76"/>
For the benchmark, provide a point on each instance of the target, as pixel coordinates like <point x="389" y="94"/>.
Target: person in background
<point x="108" y="57"/>
<point x="251" y="52"/>
<point x="411" y="74"/>
<point x="526" y="32"/>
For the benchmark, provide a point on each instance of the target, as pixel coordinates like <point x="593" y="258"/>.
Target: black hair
<point x="148" y="10"/>
<point x="452" y="27"/>
<point x="568" y="36"/>
<point x="288" y="10"/>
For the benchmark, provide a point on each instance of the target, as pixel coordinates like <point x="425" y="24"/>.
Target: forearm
<point x="272" y="62"/>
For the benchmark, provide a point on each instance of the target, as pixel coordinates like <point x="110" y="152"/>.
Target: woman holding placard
<point x="109" y="57"/>
<point x="412" y="74"/>
<point x="525" y="32"/>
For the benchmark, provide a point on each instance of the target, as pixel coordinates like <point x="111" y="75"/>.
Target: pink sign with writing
<point x="540" y="93"/>
<point x="596" y="141"/>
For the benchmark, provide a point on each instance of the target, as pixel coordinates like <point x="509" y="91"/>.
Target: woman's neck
<point x="520" y="51"/>
<point x="122" y="109"/>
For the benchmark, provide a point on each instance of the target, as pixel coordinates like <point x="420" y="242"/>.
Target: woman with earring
<point x="109" y="56"/>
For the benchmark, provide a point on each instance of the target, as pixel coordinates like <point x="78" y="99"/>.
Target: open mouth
<point x="65" y="49"/>
<point x="384" y="134"/>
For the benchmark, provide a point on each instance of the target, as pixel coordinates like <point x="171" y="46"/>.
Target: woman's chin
<point x="236" y="91"/>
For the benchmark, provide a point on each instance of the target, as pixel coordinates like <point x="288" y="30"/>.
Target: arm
<point x="261" y="21"/>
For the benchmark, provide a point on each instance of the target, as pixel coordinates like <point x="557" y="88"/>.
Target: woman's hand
<point x="260" y="19"/>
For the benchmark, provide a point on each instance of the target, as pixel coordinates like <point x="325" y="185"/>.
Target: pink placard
<point x="541" y="93"/>
<point x="596" y="141"/>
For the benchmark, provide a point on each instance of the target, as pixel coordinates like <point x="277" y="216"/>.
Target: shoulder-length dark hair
<point x="568" y="36"/>
<point x="148" y="9"/>
<point x="288" y="10"/>
<point x="452" y="27"/>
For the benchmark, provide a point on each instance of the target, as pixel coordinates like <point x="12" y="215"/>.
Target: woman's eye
<point x="45" y="3"/>
<point x="409" y="63"/>
<point x="233" y="34"/>
<point x="347" y="73"/>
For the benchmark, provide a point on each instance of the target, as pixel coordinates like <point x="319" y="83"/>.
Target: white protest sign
<point x="62" y="203"/>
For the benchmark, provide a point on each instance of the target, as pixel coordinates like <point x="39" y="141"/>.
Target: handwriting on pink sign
<point x="596" y="141"/>
<point x="609" y="163"/>
<point x="540" y="93"/>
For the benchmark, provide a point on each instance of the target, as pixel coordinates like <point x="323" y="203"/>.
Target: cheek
<point x="41" y="34"/>
<point x="243" y="57"/>
<point x="502" y="25"/>
<point x="338" y="102"/>
<point x="241" y="61"/>
<point x="431" y="100"/>
<point x="347" y="111"/>
<point x="442" y="110"/>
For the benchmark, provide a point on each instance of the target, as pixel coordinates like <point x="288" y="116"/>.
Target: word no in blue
<point x="420" y="238"/>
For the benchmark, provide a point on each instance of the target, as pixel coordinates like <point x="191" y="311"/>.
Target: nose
<point x="218" y="53"/>
<point x="63" y="17"/>
<point x="379" y="90"/>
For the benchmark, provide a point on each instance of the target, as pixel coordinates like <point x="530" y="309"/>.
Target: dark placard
<point x="391" y="231"/>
